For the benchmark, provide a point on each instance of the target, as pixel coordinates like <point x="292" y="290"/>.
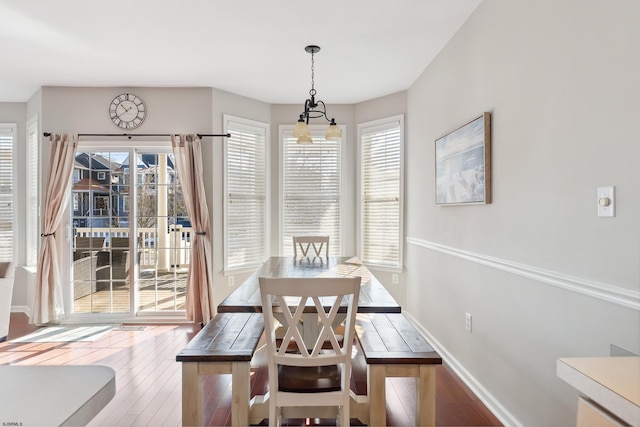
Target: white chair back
<point x="295" y="304"/>
<point x="304" y="243"/>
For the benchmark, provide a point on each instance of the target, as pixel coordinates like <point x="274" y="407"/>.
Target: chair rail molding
<point x="603" y="291"/>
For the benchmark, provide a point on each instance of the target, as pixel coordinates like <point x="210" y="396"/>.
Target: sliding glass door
<point x="131" y="234"/>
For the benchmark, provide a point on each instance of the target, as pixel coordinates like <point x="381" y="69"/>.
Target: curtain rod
<point x="130" y="135"/>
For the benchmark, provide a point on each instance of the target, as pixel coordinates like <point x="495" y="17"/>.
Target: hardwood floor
<point x="148" y="379"/>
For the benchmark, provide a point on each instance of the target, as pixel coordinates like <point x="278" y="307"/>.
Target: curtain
<point x="188" y="156"/>
<point x="48" y="306"/>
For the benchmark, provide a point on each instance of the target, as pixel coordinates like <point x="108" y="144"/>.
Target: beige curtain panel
<point x="48" y="306"/>
<point x="188" y="156"/>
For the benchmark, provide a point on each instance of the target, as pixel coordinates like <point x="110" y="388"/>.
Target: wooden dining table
<point x="373" y="298"/>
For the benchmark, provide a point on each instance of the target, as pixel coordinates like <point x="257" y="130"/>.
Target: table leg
<point x="426" y="396"/>
<point x="310" y="329"/>
<point x="191" y="395"/>
<point x="377" y="395"/>
<point x="240" y="385"/>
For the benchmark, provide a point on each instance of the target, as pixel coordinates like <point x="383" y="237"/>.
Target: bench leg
<point x="240" y="394"/>
<point x="426" y="396"/>
<point x="377" y="395"/>
<point x="191" y="395"/>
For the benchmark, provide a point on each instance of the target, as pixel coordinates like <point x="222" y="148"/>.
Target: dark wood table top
<point x="374" y="298"/>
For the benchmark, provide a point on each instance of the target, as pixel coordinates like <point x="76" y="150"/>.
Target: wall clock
<point x="127" y="111"/>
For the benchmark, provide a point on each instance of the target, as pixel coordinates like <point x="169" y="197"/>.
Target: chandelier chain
<point x="312" y="92"/>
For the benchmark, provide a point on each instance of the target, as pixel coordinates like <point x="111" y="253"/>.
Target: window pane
<point x="381" y="186"/>
<point x="7" y="139"/>
<point x="311" y="189"/>
<point x="245" y="193"/>
<point x="33" y="205"/>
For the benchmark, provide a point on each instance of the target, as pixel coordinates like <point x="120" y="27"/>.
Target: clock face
<point x="127" y="111"/>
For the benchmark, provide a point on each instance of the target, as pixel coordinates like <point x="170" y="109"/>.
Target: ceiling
<point x="254" y="48"/>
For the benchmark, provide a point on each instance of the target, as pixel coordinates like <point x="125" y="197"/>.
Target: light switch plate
<point x="606" y="202"/>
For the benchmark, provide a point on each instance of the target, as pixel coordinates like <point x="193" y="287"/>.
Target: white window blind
<point x="32" y="222"/>
<point x="311" y="189"/>
<point x="245" y="193"/>
<point x="381" y="192"/>
<point x="7" y="139"/>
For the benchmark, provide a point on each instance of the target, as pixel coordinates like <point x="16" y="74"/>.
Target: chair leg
<point x="344" y="418"/>
<point x="274" y="414"/>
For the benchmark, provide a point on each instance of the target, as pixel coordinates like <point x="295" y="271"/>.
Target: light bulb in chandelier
<point x="333" y="132"/>
<point x="304" y="139"/>
<point x="301" y="128"/>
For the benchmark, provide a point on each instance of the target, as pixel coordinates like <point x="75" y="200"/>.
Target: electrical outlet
<point x="394" y="279"/>
<point x="230" y="281"/>
<point x="467" y="324"/>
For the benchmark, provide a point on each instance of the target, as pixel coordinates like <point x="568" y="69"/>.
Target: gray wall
<point x="541" y="274"/>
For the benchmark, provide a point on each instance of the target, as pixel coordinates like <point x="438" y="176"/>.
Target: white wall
<point x="542" y="276"/>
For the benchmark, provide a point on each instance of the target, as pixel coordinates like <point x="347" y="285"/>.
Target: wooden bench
<point x="224" y="346"/>
<point x="393" y="347"/>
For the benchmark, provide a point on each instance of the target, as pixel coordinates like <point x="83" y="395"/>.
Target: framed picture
<point x="463" y="164"/>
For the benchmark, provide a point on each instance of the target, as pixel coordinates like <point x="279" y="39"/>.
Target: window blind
<point x="245" y="193"/>
<point x="380" y="222"/>
<point x="7" y="137"/>
<point x="311" y="189"/>
<point x="32" y="195"/>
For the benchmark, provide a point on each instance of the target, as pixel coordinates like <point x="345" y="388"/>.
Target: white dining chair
<point x="304" y="243"/>
<point x="300" y="376"/>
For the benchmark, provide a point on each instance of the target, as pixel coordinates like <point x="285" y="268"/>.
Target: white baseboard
<point x="505" y="417"/>
<point x="21" y="309"/>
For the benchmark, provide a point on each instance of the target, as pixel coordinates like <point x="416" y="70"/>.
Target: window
<point x="125" y="203"/>
<point x="102" y="176"/>
<point x="7" y="179"/>
<point x="381" y="188"/>
<point x="105" y="276"/>
<point x="101" y="205"/>
<point x="311" y="188"/>
<point x="245" y="202"/>
<point x="32" y="195"/>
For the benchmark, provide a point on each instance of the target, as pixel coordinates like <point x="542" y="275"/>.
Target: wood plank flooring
<point x="148" y="379"/>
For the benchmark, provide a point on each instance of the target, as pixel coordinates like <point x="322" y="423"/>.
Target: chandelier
<point x="313" y="110"/>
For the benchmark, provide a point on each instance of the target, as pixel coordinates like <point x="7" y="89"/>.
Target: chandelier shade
<point x="313" y="110"/>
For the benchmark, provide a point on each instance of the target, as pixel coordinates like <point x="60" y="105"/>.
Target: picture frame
<point x="463" y="164"/>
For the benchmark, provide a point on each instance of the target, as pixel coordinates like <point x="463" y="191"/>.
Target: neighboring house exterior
<point x="101" y="188"/>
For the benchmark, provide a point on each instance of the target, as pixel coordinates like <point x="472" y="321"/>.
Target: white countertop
<point x="54" y="395"/>
<point x="612" y="382"/>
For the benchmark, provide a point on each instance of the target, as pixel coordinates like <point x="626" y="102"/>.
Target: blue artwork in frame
<point x="463" y="164"/>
